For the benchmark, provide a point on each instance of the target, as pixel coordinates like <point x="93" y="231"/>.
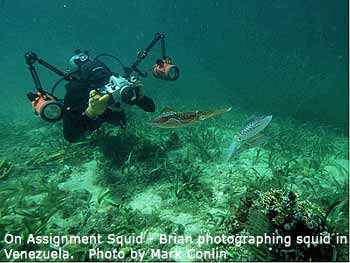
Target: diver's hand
<point x="97" y="104"/>
<point x="140" y="94"/>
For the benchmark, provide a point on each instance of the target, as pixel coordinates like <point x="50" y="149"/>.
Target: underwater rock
<point x="84" y="179"/>
<point x="181" y="218"/>
<point x="339" y="171"/>
<point x="190" y="225"/>
<point x="146" y="202"/>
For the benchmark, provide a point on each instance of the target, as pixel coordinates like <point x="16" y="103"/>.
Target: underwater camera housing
<point x="122" y="91"/>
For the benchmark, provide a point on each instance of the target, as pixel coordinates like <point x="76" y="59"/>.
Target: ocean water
<point x="189" y="193"/>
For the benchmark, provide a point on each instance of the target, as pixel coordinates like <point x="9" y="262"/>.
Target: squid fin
<point x="167" y="109"/>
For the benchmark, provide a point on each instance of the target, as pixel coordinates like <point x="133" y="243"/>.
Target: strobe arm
<point x="157" y="37"/>
<point x="143" y="54"/>
<point x="162" y="48"/>
<point x="31" y="58"/>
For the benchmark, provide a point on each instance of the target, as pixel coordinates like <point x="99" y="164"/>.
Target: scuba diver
<point x="94" y="93"/>
<point x="86" y="106"/>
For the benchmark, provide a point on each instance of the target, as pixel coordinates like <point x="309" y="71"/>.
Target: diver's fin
<point x="167" y="109"/>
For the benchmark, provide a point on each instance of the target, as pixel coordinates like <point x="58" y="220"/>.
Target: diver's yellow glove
<point x="97" y="104"/>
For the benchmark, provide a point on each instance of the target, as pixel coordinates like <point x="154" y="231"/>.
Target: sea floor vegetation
<point x="177" y="181"/>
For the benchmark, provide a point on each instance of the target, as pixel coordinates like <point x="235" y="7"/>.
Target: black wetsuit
<point x="93" y="75"/>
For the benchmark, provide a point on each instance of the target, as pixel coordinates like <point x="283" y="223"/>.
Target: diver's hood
<point x="95" y="72"/>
